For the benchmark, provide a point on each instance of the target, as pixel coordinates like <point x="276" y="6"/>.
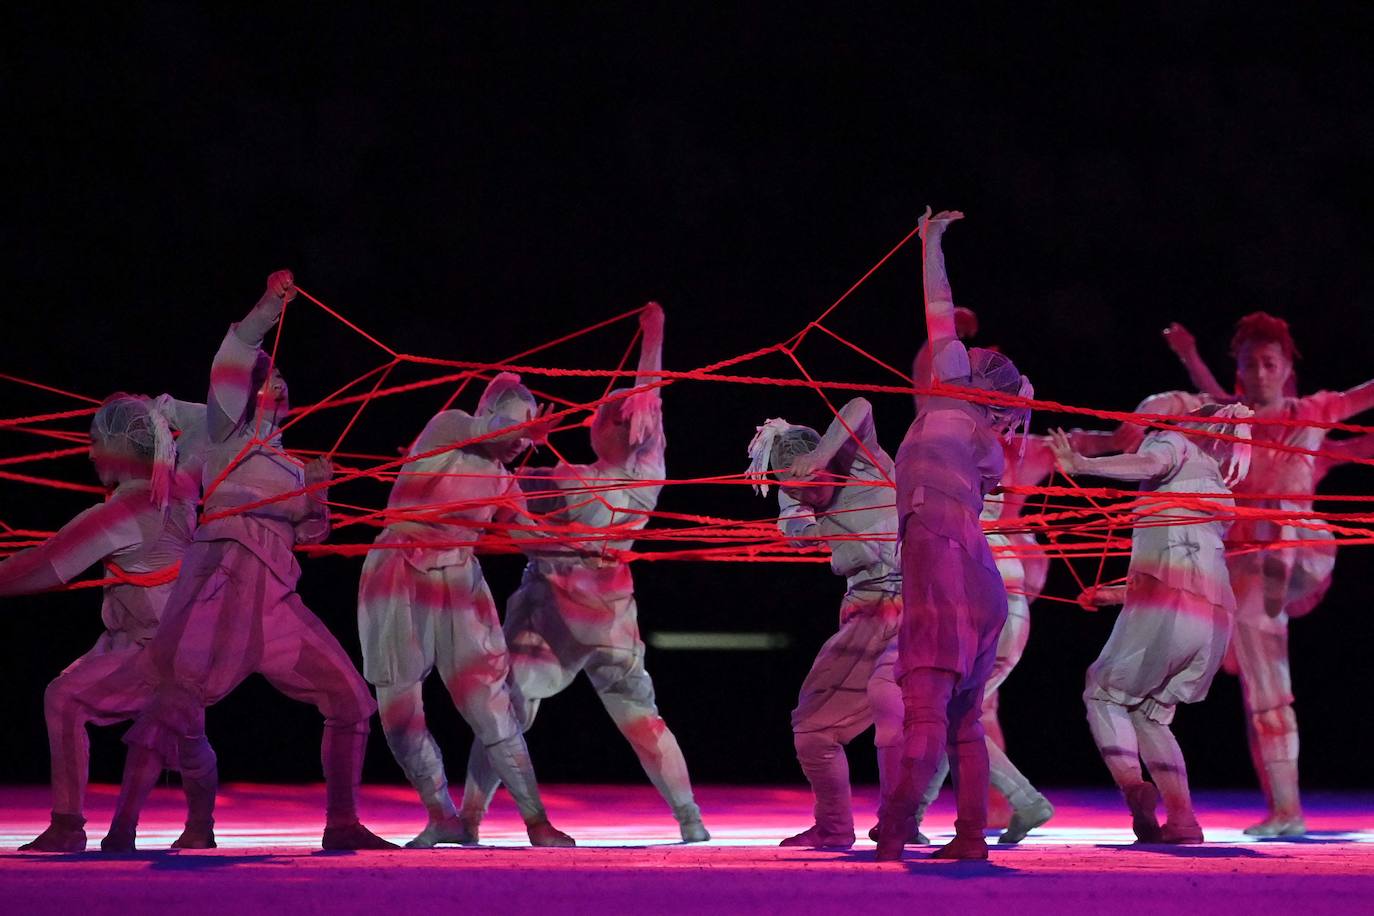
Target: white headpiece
<point x="761" y="450"/>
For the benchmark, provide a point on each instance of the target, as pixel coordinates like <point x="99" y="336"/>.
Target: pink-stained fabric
<point x="955" y="603"/>
<point x="231" y="616"/>
<point x="1171" y="635"/>
<point x="851" y="685"/>
<point x="421" y="606"/>
<point x="103" y="686"/>
<point x="575" y="611"/>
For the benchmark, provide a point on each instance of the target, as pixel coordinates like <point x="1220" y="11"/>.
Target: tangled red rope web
<point x="1077" y="525"/>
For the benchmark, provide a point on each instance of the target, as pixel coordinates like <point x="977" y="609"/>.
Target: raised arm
<point x="1184" y="345"/>
<point x="231" y="375"/>
<point x="838" y="446"/>
<point x="651" y="346"/>
<point x="92" y="536"/>
<point x="644" y="409"/>
<point x="1140" y="465"/>
<point x="949" y="358"/>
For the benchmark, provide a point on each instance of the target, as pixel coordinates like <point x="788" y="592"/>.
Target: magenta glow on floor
<point x="628" y="861"/>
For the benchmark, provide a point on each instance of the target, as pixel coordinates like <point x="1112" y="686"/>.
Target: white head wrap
<point x="144" y="425"/>
<point x="761" y="449"/>
<point x="1233" y="457"/>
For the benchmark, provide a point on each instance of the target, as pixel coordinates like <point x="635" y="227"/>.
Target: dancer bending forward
<point x="424" y="604"/>
<point x="850" y="685"/>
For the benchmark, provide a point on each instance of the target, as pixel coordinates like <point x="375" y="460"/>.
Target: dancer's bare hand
<point x="541" y="425"/>
<point x="1064" y="454"/>
<point x="282" y="284"/>
<point x="1180" y="340"/>
<point x="936" y="224"/>
<point x="1096" y="596"/>
<point x="804" y="467"/>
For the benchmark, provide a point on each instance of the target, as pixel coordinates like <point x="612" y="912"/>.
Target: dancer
<point x="423" y="607"/>
<point x="1169" y="639"/>
<point x="1029" y="460"/>
<point x="954" y="600"/>
<point x="1271" y="585"/>
<point x="850" y="685"/>
<point x="235" y="610"/>
<point x="575" y="608"/>
<point x="139" y="534"/>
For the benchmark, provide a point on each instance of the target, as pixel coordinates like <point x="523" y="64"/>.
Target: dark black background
<point x="467" y="185"/>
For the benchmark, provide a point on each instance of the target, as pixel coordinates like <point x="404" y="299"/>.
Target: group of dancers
<point x="206" y="505"/>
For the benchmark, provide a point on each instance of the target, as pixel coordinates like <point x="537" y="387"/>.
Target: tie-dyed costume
<point x="851" y="685"/>
<point x="1170" y="637"/>
<point x="425" y="608"/>
<point x="575" y="611"/>
<point x="234" y="610"/>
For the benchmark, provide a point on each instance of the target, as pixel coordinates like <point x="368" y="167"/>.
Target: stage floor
<point x="629" y="861"/>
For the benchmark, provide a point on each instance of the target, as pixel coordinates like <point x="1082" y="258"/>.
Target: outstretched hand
<point x="1064" y="454"/>
<point x="282" y="284"/>
<point x="1096" y="596"/>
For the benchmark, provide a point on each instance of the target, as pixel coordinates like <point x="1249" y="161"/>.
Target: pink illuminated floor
<point x="629" y="864"/>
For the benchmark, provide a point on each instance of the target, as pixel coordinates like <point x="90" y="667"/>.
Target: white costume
<point x="575" y="608"/>
<point x="139" y="533"/>
<point x="1170" y="637"/>
<point x="850" y="685"/>
<point x="425" y="608"/>
<point x="234" y="610"/>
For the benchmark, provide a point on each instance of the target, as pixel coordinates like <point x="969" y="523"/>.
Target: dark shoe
<point x="963" y="847"/>
<point x="892" y="837"/>
<point x="545" y="834"/>
<point x="197" y="836"/>
<point x="1182" y="832"/>
<point x="1142" y="799"/>
<point x="354" y="836"/>
<point x="65" y="833"/>
<point x="119" y="840"/>
<point x="814" y="838"/>
<point x="917" y="838"/>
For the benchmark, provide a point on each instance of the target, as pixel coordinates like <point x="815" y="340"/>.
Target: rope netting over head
<point x="1082" y="526"/>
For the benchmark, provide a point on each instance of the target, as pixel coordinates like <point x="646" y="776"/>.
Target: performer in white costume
<point x="234" y="610"/>
<point x="954" y="600"/>
<point x="850" y="685"/>
<point x="575" y="609"/>
<point x="1170" y="637"/>
<point x="1272" y="586"/>
<point x="423" y="608"/>
<point x="139" y="535"/>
